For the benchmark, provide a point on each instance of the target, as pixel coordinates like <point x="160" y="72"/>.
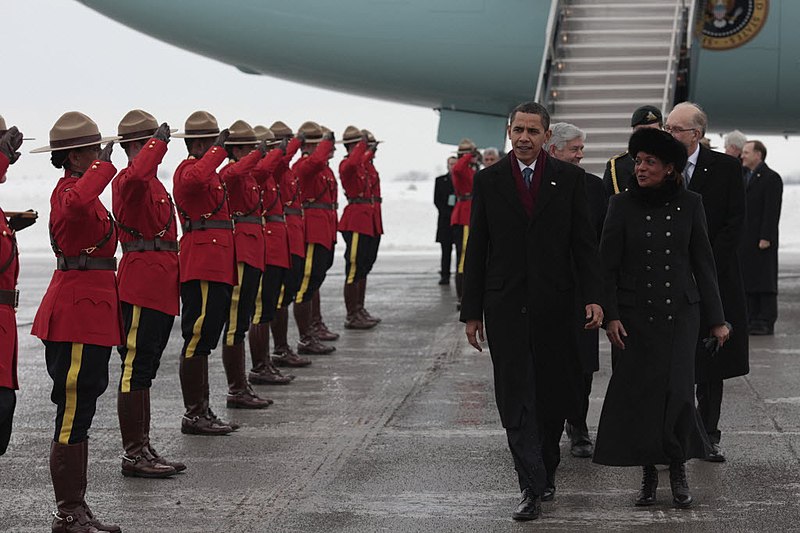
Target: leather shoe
<point x="203" y="425"/>
<point x="549" y="493"/>
<point x="310" y="345"/>
<point x="284" y="356"/>
<point x="529" y="508"/>
<point x="246" y="399"/>
<point x="144" y="466"/>
<point x="716" y="455"/>
<point x="444" y="281"/>
<point x="322" y="332"/>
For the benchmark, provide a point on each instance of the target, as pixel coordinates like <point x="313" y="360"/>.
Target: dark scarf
<point x="668" y="190"/>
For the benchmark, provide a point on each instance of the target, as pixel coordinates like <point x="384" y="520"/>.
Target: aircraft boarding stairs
<point x="607" y="58"/>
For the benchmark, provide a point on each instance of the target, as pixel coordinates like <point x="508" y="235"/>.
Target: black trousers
<point x="269" y="291"/>
<point x="146" y="336"/>
<point x="373" y="252"/>
<point x="204" y="312"/>
<point x="243" y="304"/>
<point x="525" y="443"/>
<point x="8" y="401"/>
<point x="460" y="237"/>
<point x="358" y="256"/>
<point x="580" y="423"/>
<point x="318" y="260"/>
<point x="762" y="308"/>
<point x="709" y="405"/>
<point x="291" y="282"/>
<point x="447" y="254"/>
<point x="80" y="376"/>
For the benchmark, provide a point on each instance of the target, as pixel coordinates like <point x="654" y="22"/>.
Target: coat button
<point x="669" y="317"/>
<point x="668" y="301"/>
<point x="648" y="234"/>
<point x="679" y="208"/>
<point x="651" y="319"/>
<point x="269" y="232"/>
<point x="163" y="201"/>
<point x="649" y="302"/>
<point x="668" y="217"/>
<point x="669" y="234"/>
<point x="667" y="284"/>
<point x="648" y="268"/>
<point x="213" y="240"/>
<point x="649" y="285"/>
<point x="649" y="252"/>
<point x="666" y="267"/>
<point x="524" y="310"/>
<point x="667" y="251"/>
<point x="647" y="217"/>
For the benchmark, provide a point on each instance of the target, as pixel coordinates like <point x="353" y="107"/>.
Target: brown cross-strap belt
<point x="9" y="297"/>
<point x="85" y="262"/>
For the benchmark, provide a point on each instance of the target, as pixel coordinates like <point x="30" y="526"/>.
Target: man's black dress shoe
<point x="529" y="508"/>
<point x="716" y="455"/>
<point x="549" y="493"/>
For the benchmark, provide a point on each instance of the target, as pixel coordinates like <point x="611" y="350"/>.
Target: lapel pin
<point x="553" y="183"/>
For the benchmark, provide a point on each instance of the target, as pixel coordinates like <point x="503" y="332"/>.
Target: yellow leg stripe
<point x="259" y="309"/>
<point x="127" y="370"/>
<point x="306" y="273"/>
<point x="71" y="390"/>
<point x="198" y="324"/>
<point x="280" y="296"/>
<point x="233" y="317"/>
<point x="351" y="273"/>
<point x="463" y="250"/>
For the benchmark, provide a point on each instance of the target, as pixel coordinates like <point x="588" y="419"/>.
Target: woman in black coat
<point x="658" y="268"/>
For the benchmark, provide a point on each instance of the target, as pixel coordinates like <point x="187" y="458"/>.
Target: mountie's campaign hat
<point x="199" y="124"/>
<point x="370" y="137"/>
<point x="352" y="135"/>
<point x="73" y="130"/>
<point x="263" y="133"/>
<point x="311" y="130"/>
<point x="137" y="125"/>
<point x="466" y="146"/>
<point x="241" y="133"/>
<point x="646" y="114"/>
<point x="281" y="130"/>
<point x="3" y="127"/>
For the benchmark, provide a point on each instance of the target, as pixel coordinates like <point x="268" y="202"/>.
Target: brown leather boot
<point x="148" y="447"/>
<point x="240" y="395"/>
<point x="320" y="330"/>
<point x="284" y="356"/>
<point x="263" y="371"/>
<point x="355" y="319"/>
<point x="308" y="344"/>
<point x="136" y="461"/>
<point x="362" y="294"/>
<point x="194" y="386"/>
<point x="68" y="464"/>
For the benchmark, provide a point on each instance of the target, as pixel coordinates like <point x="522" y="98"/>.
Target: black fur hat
<point x="660" y="144"/>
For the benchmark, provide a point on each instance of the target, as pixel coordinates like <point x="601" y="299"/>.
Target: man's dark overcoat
<point x="519" y="280"/>
<point x="442" y="191"/>
<point x="717" y="178"/>
<point x="764" y="195"/>
<point x="658" y="268"/>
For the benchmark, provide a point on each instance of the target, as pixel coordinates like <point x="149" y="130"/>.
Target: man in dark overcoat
<point x="444" y="198"/>
<point x="759" y="249"/>
<point x="717" y="178"/>
<point x="529" y="226"/>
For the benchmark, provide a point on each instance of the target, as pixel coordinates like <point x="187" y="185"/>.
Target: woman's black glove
<point x="163" y="133"/>
<point x="20" y="222"/>
<point x="222" y="137"/>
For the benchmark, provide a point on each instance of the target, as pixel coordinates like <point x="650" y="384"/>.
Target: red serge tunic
<point x="358" y="216"/>
<point x="206" y="254"/>
<point x="275" y="231"/>
<point x="140" y="201"/>
<point x="244" y="200"/>
<point x="81" y="306"/>
<point x="9" y="265"/>
<point x="317" y="187"/>
<point x="375" y="190"/>
<point x="462" y="175"/>
<point x="289" y="189"/>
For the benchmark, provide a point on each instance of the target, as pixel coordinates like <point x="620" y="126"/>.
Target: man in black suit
<point x="444" y="198"/>
<point x="759" y="249"/>
<point x="567" y="144"/>
<point x="717" y="178"/>
<point x="530" y="240"/>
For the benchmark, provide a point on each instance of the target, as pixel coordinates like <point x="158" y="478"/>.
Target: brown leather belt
<point x="292" y="211"/>
<point x="203" y="224"/>
<point x="319" y="205"/>
<point x="369" y="201"/>
<point x="8" y="297"/>
<point x="241" y="219"/>
<point x="276" y="218"/>
<point x="377" y="199"/>
<point x="464" y="198"/>
<point x="156" y="245"/>
<point x="84" y="262"/>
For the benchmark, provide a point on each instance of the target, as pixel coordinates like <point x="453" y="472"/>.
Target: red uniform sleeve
<point x="201" y="173"/>
<point x="76" y="199"/>
<point x="308" y="168"/>
<point x="4" y="162"/>
<point x="131" y="180"/>
<point x="462" y="175"/>
<point x="241" y="168"/>
<point x="267" y="165"/>
<point x="291" y="150"/>
<point x="368" y="156"/>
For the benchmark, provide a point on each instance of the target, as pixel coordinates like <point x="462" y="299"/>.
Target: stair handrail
<point x="545" y="67"/>
<point x="672" y="60"/>
<point x="690" y="25"/>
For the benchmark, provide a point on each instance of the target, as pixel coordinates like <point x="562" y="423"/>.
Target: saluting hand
<point x="329" y="136"/>
<point x="105" y="153"/>
<point x="163" y="133"/>
<point x="262" y="147"/>
<point x="594" y="316"/>
<point x="10" y="142"/>
<point x="222" y="137"/>
<point x="283" y="145"/>
<point x="475" y="333"/>
<point x="615" y="331"/>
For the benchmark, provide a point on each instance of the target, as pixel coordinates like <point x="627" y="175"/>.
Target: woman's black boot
<point x="680" y="487"/>
<point x="647" y="494"/>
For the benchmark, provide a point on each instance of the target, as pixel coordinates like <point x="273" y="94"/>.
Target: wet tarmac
<point x="398" y="431"/>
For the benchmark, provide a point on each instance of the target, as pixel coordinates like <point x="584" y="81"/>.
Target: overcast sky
<point x="61" y="56"/>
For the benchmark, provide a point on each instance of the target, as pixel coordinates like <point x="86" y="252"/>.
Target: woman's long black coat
<point x="658" y="266"/>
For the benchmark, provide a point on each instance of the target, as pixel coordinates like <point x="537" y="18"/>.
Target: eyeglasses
<point x="675" y="129"/>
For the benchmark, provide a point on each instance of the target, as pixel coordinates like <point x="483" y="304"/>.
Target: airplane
<point x="590" y="62"/>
